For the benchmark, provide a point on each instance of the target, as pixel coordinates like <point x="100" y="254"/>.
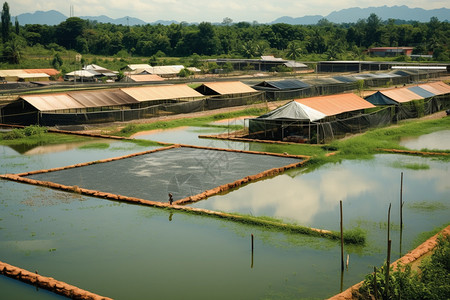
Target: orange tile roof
<point x="51" y="72"/>
<point x="336" y="104"/>
<point x="401" y="95"/>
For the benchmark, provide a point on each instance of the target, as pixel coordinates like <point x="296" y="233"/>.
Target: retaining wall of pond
<point x="410" y="257"/>
<point x="178" y="205"/>
<point x="48" y="283"/>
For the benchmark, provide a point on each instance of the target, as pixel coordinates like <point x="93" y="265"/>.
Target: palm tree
<point x="293" y="50"/>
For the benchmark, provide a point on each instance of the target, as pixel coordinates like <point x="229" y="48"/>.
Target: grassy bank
<point x="36" y="135"/>
<point x="198" y="122"/>
<point x="369" y="143"/>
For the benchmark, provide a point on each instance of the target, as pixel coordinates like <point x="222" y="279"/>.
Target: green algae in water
<point x="427" y="206"/>
<point x="410" y="166"/>
<point x="95" y="146"/>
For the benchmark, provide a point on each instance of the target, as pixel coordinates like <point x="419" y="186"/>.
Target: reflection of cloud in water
<point x="438" y="177"/>
<point x="338" y="185"/>
<point x="299" y="198"/>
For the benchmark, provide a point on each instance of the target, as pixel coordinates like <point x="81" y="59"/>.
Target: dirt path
<point x="109" y="127"/>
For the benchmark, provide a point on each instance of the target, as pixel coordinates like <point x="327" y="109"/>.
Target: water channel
<point x="128" y="251"/>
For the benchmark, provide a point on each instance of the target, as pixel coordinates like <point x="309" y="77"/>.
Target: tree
<point x="68" y="31"/>
<point x="57" y="61"/>
<point x="6" y="22"/>
<point x="293" y="50"/>
<point x="17" y="26"/>
<point x="207" y="41"/>
<point x="12" y="51"/>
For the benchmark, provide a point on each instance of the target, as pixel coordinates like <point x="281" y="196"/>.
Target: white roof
<point x="83" y="73"/>
<point x="34" y="75"/>
<point x="139" y="67"/>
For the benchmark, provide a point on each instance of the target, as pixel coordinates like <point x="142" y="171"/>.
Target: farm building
<point x="315" y="119"/>
<point x="390" y="51"/>
<point x="229" y="93"/>
<point x="99" y="106"/>
<point x="266" y="63"/>
<point x="142" y="78"/>
<point x="283" y="89"/>
<point x="414" y="101"/>
<point x="91" y="73"/>
<point x="27" y="75"/>
<point x="163" y="94"/>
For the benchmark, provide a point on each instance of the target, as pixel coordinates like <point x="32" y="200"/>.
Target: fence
<point x="339" y="126"/>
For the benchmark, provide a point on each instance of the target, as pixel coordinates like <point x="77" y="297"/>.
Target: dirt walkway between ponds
<point x="109" y="127"/>
<point x="413" y="257"/>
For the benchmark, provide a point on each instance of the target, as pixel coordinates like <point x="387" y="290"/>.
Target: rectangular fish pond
<point x="127" y="251"/>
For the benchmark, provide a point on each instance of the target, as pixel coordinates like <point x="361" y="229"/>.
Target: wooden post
<point x="389" y="223"/>
<point x="375" y="289"/>
<point x="252" y="251"/>
<point x="388" y="260"/>
<point x="388" y="263"/>
<point x="401" y="201"/>
<point x="342" y="239"/>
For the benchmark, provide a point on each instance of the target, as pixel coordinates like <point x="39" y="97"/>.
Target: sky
<point x="262" y="11"/>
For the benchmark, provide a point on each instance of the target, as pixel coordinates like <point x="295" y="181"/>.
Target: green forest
<point x="322" y="41"/>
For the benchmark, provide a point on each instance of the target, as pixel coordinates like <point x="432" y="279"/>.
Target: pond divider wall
<point x="414" y="152"/>
<point x="94" y="135"/>
<point x="410" y="257"/>
<point x="176" y="205"/>
<point x="48" y="283"/>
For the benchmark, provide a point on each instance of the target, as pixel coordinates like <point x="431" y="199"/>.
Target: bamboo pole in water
<point x="342" y="238"/>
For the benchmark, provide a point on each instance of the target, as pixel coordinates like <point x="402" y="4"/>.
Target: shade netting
<point x="182" y="171"/>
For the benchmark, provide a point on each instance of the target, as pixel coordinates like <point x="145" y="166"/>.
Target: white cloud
<point x="205" y="10"/>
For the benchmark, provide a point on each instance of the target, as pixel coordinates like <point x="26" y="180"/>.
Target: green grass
<point x="353" y="236"/>
<point x="412" y="166"/>
<point x="369" y="143"/>
<point x="95" y="146"/>
<point x="35" y="135"/>
<point x="199" y="122"/>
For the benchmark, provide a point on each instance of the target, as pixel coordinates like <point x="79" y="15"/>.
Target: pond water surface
<point x="435" y="140"/>
<point x="127" y="251"/>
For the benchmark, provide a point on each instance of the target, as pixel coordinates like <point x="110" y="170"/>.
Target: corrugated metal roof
<point x="103" y="98"/>
<point x="52" y="102"/>
<point x="12" y="73"/>
<point x="163" y="70"/>
<point x="139" y="66"/>
<point x="229" y="87"/>
<point x="294" y="64"/>
<point x="163" y="92"/>
<point x="401" y="95"/>
<point x="336" y="104"/>
<point x="51" y="72"/>
<point x="34" y="75"/>
<point x="437" y="88"/>
<point x="345" y="79"/>
<point x="84" y="73"/>
<point x="143" y="78"/>
<point x="420" y="91"/>
<point x="284" y="84"/>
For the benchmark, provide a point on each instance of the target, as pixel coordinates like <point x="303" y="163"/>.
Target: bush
<point x="431" y="282"/>
<point x="29" y="131"/>
<point x="130" y="128"/>
<point x="14" y="134"/>
<point x="34" y="130"/>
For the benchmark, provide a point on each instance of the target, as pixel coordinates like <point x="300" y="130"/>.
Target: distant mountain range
<point x="54" y="17"/>
<point x="348" y="15"/>
<point x="352" y="15"/>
